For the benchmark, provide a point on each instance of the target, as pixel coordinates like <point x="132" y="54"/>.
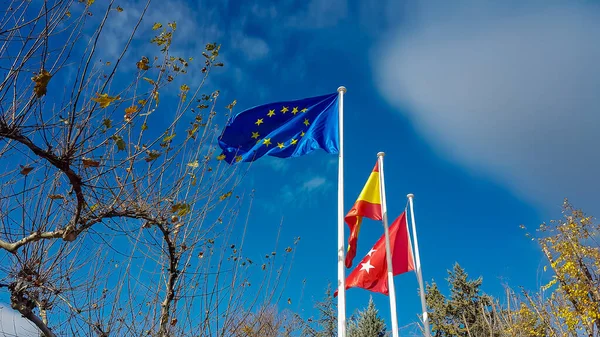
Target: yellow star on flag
<point x="255" y="135"/>
<point x="280" y="145"/>
<point x="271" y="113"/>
<point x="294" y="141"/>
<point x="284" y="109"/>
<point x="267" y="141"/>
<point x="259" y="121"/>
<point x="306" y="122"/>
<point x="302" y="134"/>
<point x="295" y="110"/>
<point x="304" y="110"/>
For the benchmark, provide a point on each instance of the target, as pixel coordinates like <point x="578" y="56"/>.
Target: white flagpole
<point x="341" y="271"/>
<point x="418" y="268"/>
<point x="387" y="246"/>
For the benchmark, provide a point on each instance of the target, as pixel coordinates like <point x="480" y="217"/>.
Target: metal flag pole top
<point x="341" y="272"/>
<point x="388" y="250"/>
<point x="418" y="268"/>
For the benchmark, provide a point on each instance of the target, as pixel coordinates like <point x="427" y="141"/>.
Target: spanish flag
<point x="367" y="205"/>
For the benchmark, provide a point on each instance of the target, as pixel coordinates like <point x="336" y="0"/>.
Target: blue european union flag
<point x="282" y="129"/>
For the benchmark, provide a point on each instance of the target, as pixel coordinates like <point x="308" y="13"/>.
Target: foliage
<point x="567" y="306"/>
<point x="325" y="325"/>
<point x="572" y="247"/>
<point x="115" y="216"/>
<point x="466" y="312"/>
<point x="367" y="323"/>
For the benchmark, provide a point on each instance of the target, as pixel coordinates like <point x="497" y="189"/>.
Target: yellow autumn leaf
<point x="130" y="111"/>
<point x="225" y="196"/>
<point x="156" y="26"/>
<point x="119" y="9"/>
<point x="41" y="83"/>
<point x="221" y="157"/>
<point x="149" y="80"/>
<point x="143" y="64"/>
<point x="104" y="100"/>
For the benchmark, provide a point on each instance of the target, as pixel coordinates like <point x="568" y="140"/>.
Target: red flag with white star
<point x="371" y="273"/>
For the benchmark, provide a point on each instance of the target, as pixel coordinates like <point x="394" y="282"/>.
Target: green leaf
<point x="119" y="141"/>
<point x="107" y="123"/>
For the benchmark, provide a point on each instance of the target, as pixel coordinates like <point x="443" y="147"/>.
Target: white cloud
<point x="253" y="48"/>
<point x="12" y="324"/>
<point x="313" y="184"/>
<point x="306" y="189"/>
<point x="508" y="91"/>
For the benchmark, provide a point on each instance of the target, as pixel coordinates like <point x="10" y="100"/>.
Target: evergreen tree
<point x="466" y="313"/>
<point x="326" y="323"/>
<point x="368" y="323"/>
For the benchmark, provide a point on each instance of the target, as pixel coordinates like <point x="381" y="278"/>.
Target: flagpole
<point x="388" y="250"/>
<point x="418" y="268"/>
<point x="341" y="271"/>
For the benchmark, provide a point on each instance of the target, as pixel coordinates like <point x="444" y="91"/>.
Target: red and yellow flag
<point x="367" y="205"/>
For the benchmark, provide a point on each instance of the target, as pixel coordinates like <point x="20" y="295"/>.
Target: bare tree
<point x="116" y="215"/>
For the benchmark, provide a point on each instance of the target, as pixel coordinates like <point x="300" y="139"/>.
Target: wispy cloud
<point x="505" y="89"/>
<point x="313" y="184"/>
<point x="306" y="190"/>
<point x="253" y="48"/>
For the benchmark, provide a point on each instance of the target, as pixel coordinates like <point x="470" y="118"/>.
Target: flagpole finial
<point x="342" y="89"/>
<point x="410" y="195"/>
<point x="380" y="154"/>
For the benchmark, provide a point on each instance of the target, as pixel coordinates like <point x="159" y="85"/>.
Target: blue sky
<point x="487" y="112"/>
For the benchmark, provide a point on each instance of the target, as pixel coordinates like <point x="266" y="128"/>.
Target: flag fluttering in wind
<point x="367" y="205"/>
<point x="372" y="272"/>
<point x="282" y="129"/>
